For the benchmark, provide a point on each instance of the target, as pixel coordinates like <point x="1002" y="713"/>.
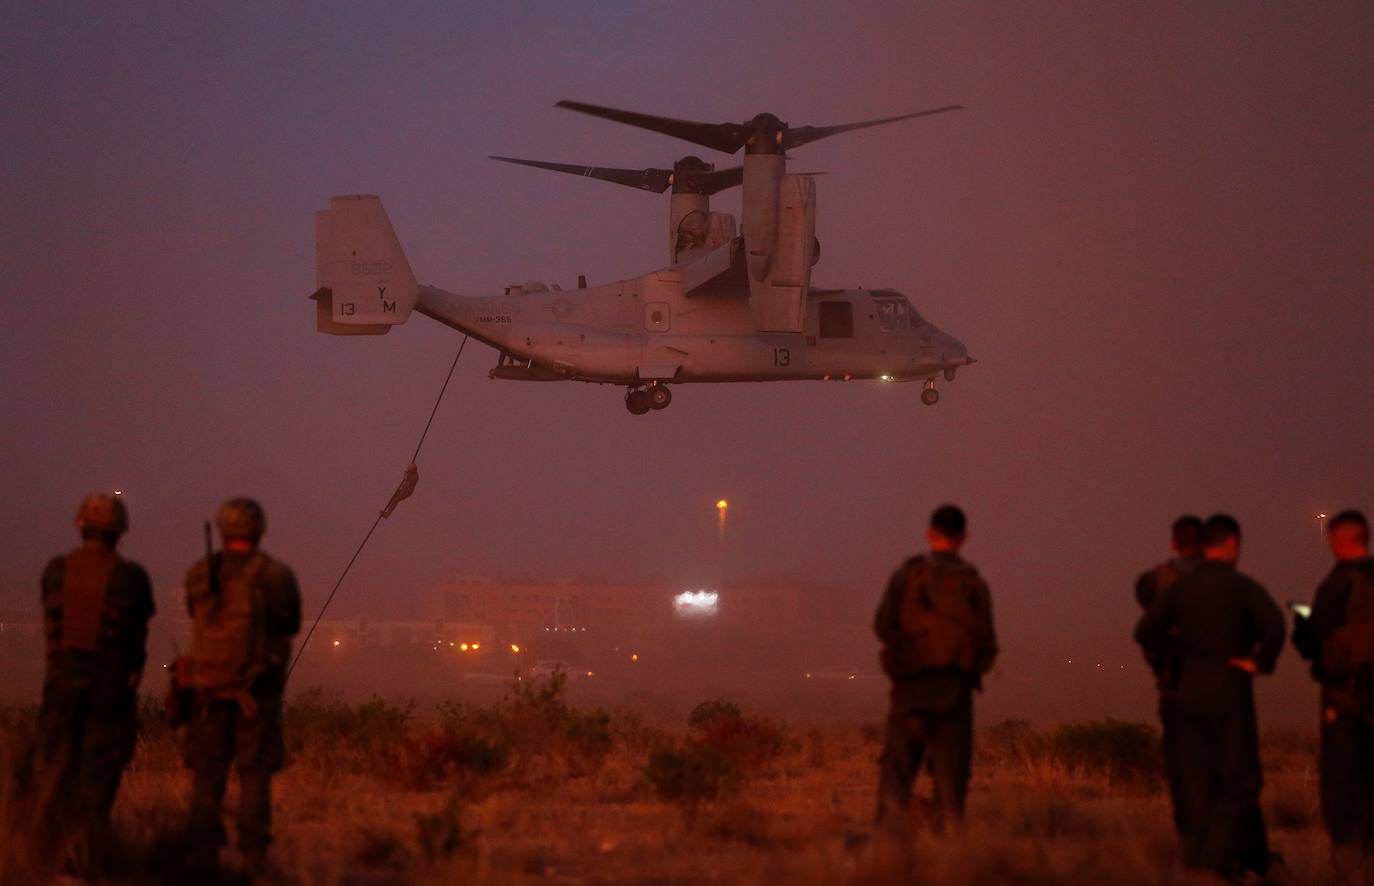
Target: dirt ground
<point x="531" y="789"/>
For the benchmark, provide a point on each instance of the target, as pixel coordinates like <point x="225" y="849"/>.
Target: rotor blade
<point x="655" y="180"/>
<point x="801" y="135"/>
<point x="709" y="183"/>
<point x="727" y="137"/>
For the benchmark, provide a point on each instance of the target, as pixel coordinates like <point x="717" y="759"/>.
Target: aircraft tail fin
<point x="365" y="283"/>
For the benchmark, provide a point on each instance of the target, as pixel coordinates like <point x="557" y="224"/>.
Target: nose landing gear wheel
<point x="637" y="401"/>
<point x="930" y="396"/>
<point x="660" y="397"/>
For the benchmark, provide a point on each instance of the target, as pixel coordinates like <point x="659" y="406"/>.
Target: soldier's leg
<point x="1339" y="762"/>
<point x="111" y="736"/>
<point x="1366" y="780"/>
<point x="901" y="761"/>
<point x="255" y="812"/>
<point x="951" y="757"/>
<point x="1236" y="840"/>
<point x="1190" y="777"/>
<point x="1169" y="745"/>
<point x="260" y="753"/>
<point x="60" y="740"/>
<point x="110" y="740"/>
<point x="209" y="750"/>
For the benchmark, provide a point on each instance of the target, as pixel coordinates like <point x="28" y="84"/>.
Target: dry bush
<point x="534" y="724"/>
<point x="532" y="788"/>
<point x="692" y="774"/>
<point x="316" y="722"/>
<point x="747" y="741"/>
<point x="1121" y="751"/>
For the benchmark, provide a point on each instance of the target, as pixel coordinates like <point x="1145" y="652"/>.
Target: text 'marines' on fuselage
<point x="735" y="302"/>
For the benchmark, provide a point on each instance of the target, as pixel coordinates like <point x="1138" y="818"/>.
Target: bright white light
<point x="696" y="603"/>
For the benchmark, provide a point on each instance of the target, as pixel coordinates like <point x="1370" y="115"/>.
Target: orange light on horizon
<point x="515" y="647"/>
<point x="722" y="504"/>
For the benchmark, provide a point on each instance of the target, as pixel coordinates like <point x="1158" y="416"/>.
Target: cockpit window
<point x="895" y="312"/>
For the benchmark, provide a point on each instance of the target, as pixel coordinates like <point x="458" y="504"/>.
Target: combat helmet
<point x="241" y="518"/>
<point x="102" y="512"/>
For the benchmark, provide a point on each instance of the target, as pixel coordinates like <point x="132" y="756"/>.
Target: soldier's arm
<point x="51" y="599"/>
<point x="1328" y="610"/>
<point x="1145" y="589"/>
<point x="140" y="608"/>
<point x="282" y="600"/>
<point x="1152" y="631"/>
<point x="988" y="654"/>
<point x="1328" y="614"/>
<point x="886" y="623"/>
<point x="193" y="575"/>
<point x="1269" y="627"/>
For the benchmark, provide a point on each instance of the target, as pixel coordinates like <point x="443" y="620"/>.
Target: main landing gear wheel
<point x="638" y="402"/>
<point x="660" y="397"/>
<point x="930" y="396"/>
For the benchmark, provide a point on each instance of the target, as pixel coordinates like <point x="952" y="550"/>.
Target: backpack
<point x="228" y="625"/>
<point x="1348" y="654"/>
<point x="942" y="625"/>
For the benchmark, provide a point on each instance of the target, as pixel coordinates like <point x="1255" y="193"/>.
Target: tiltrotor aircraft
<point x="734" y="303"/>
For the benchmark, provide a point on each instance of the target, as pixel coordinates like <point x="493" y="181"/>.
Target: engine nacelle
<point x="779" y="299"/>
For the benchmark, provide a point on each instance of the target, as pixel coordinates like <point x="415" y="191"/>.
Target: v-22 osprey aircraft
<point x="734" y="304"/>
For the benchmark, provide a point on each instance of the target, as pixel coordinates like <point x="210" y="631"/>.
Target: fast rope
<point x="403" y="491"/>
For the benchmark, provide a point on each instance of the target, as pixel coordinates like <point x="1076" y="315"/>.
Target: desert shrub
<point x="692" y="774"/>
<point x="712" y="709"/>
<point x="381" y="851"/>
<point x="444" y="751"/>
<point x="629" y="732"/>
<point x="532" y="723"/>
<point x="1119" y="750"/>
<point x="1012" y="740"/>
<point x="741" y="822"/>
<point x="1054" y="816"/>
<point x="441" y="834"/>
<point x="747" y="741"/>
<point x="315" y="718"/>
<point x="587" y="741"/>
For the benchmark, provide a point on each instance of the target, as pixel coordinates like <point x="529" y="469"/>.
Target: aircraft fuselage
<point x="644" y="330"/>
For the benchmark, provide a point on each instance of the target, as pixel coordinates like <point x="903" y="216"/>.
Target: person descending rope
<point x="409" y="479"/>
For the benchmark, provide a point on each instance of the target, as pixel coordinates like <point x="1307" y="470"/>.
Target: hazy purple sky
<point x="1152" y="227"/>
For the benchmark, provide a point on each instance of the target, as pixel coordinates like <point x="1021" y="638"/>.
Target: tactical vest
<point x="1348" y="654"/>
<point x="228" y="624"/>
<point x="939" y="615"/>
<point x="86" y="574"/>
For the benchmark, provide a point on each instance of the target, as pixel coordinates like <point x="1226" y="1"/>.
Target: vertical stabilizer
<point x="365" y="283"/>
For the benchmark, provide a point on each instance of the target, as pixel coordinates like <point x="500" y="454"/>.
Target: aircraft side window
<point x="836" y="319"/>
<point x="891" y="315"/>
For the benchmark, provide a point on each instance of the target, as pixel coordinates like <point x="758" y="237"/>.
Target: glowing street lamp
<point x="722" y="508"/>
<point x="1321" y="525"/>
